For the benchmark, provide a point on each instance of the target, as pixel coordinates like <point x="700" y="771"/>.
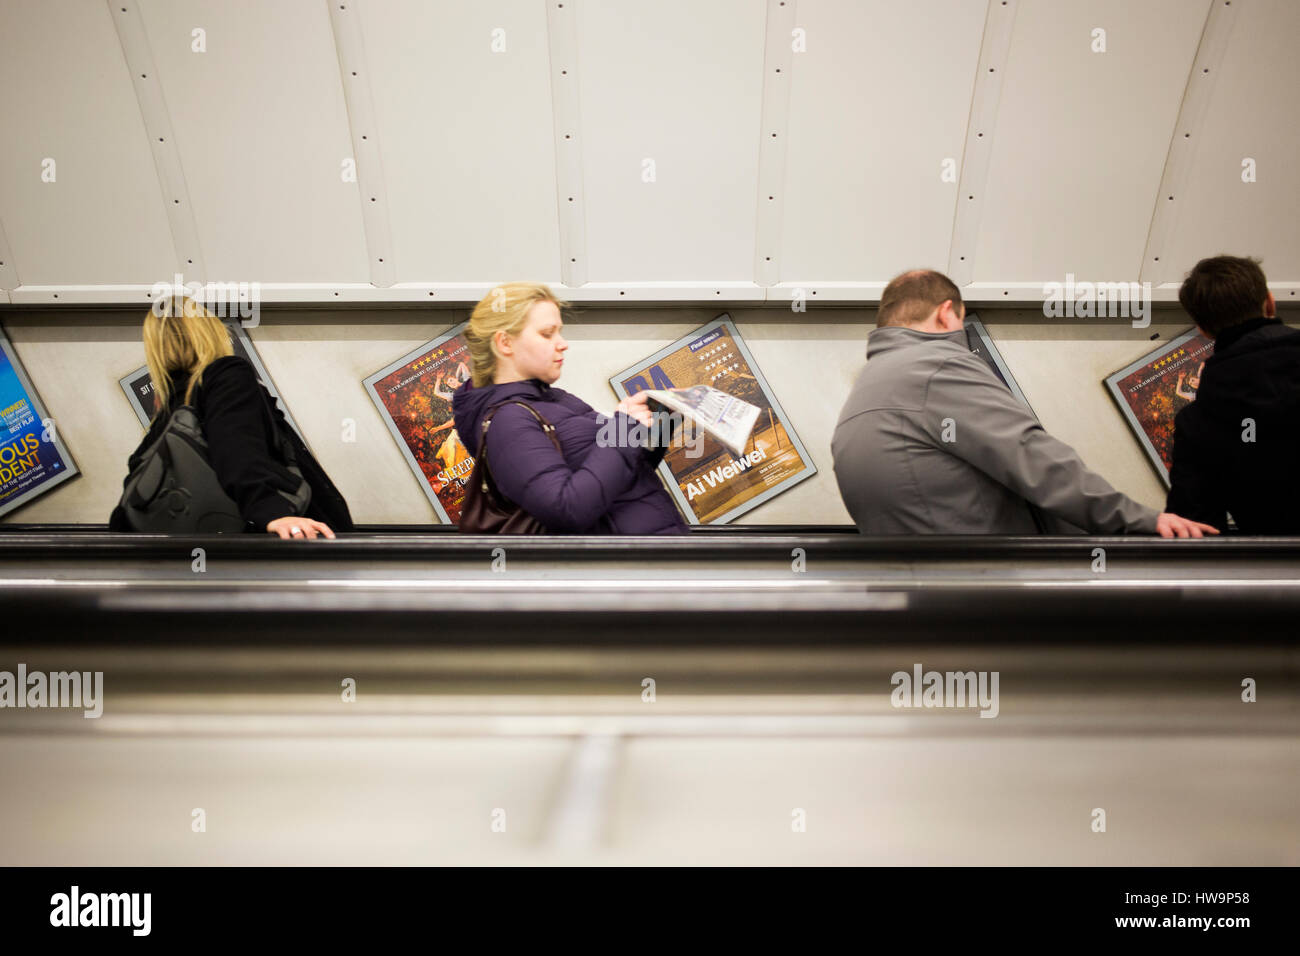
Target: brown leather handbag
<point x="484" y="510"/>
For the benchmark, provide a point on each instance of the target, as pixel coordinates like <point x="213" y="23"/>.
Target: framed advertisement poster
<point x="709" y="483"/>
<point x="981" y="344"/>
<point x="138" y="385"/>
<point x="32" y="461"/>
<point x="1152" y="390"/>
<point x="413" y="396"/>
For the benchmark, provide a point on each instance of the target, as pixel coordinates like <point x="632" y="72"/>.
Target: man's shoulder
<point x="964" y="367"/>
<point x="921" y="357"/>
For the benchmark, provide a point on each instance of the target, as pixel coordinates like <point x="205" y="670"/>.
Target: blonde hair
<point x="185" y="337"/>
<point x="504" y="309"/>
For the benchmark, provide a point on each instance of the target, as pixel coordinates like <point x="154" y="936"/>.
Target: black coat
<point x="1253" y="374"/>
<point x="236" y="413"/>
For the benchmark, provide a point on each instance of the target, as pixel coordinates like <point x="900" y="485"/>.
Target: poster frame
<point x="1113" y="387"/>
<point x="972" y="323"/>
<point x="369" y="384"/>
<point x="670" y="481"/>
<point x="38" y="408"/>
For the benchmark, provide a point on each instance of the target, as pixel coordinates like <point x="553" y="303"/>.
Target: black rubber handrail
<point x="94" y="545"/>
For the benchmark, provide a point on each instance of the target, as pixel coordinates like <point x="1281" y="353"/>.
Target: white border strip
<point x="460" y="294"/>
<point x="888" y="722"/>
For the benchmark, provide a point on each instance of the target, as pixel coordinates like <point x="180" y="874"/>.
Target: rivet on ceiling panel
<point x="994" y="49"/>
<point x="562" y="39"/>
<point x="128" y="22"/>
<point x="1186" y="134"/>
<point x="355" y="74"/>
<point x="778" y="64"/>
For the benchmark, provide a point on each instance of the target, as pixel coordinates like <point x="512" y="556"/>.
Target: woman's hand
<point x="295" y="527"/>
<point x="636" y="407"/>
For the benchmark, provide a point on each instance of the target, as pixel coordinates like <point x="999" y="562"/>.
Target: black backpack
<point x="175" y="490"/>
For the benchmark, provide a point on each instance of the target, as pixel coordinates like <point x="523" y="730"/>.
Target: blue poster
<point x="32" y="460"/>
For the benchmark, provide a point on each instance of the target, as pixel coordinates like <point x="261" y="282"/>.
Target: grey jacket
<point x="931" y="441"/>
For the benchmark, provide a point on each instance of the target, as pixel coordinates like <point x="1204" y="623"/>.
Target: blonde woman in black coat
<point x="191" y="362"/>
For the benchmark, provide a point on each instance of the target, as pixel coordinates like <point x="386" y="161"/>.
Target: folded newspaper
<point x="727" y="418"/>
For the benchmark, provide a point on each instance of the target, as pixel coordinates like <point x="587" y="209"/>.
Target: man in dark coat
<point x="1237" y="446"/>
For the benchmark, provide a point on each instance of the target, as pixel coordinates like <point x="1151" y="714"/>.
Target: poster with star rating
<point x="32" y="458"/>
<point x="710" y="483"/>
<point x="1152" y="390"/>
<point x="413" y="396"/>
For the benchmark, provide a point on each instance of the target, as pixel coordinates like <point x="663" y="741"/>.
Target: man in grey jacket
<point x="931" y="441"/>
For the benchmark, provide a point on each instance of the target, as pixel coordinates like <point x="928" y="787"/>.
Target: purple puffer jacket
<point x="589" y="489"/>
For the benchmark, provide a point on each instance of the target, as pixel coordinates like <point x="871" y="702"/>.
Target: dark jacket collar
<point x="1234" y="333"/>
<point x="470" y="404"/>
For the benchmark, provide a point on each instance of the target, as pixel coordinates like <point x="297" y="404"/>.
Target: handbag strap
<point x="547" y="429"/>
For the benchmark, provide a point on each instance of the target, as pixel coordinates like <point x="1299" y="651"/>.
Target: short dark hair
<point x="910" y="297"/>
<point x="1223" y="291"/>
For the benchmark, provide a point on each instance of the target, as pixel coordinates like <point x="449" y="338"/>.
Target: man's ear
<point x="954" y="310"/>
<point x="1270" y="307"/>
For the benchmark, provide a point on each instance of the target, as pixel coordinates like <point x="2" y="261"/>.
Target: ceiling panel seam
<point x="1186" y="134"/>
<point x="778" y="59"/>
<point x="372" y="189"/>
<point x="8" y="268"/>
<point x="566" y="113"/>
<point x="995" y="48"/>
<point x="129" y="23"/>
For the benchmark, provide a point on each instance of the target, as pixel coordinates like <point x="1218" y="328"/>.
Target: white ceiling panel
<point x="877" y="103"/>
<point x="677" y="82"/>
<point x="467" y="138"/>
<point x="1081" y="137"/>
<point x="65" y="95"/>
<point x="1253" y="113"/>
<point x="262" y="133"/>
